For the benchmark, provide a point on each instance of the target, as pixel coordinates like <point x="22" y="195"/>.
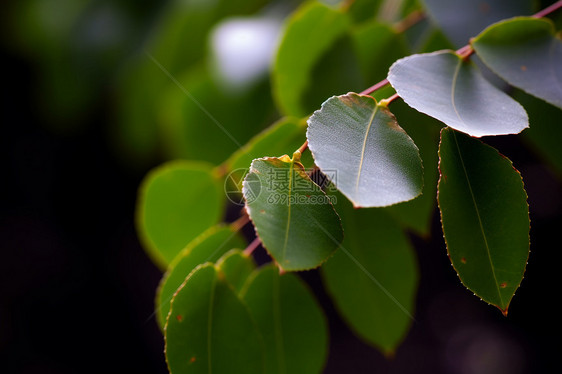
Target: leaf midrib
<point x="479" y="219"/>
<point x="284" y="250"/>
<point x="453" y="89"/>
<point x="371" y="120"/>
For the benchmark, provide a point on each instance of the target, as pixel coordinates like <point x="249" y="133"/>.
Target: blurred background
<point x="96" y="93"/>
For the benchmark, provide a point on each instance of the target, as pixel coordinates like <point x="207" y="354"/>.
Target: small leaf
<point x="371" y="159"/>
<point x="485" y="217"/>
<point x="236" y="267"/>
<point x="442" y="85"/>
<point x="373" y="277"/>
<point x="293" y="217"/>
<point x="209" y="329"/>
<point x="207" y="247"/>
<point x="526" y="53"/>
<point x="292" y="325"/>
<point x="177" y="201"/>
<point x="462" y="19"/>
<point x="297" y="55"/>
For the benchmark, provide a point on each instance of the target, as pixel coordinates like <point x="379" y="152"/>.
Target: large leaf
<point x="485" y="217"/>
<point x="373" y="277"/>
<point x="293" y="217"/>
<point x="310" y="31"/>
<point x="290" y="320"/>
<point x="209" y="329"/>
<point x="370" y="158"/>
<point x="462" y="19"/>
<point x="207" y="247"/>
<point x="526" y="53"/>
<point x="446" y="87"/>
<point x="177" y="201"/>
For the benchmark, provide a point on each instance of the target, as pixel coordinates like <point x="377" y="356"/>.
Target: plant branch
<point x="546" y="11"/>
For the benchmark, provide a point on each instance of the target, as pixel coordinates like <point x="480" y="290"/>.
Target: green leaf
<point x="293" y="217"/>
<point x="417" y="214"/>
<point x="545" y="131"/>
<point x="177" y="201"/>
<point x="209" y="329"/>
<point x="462" y="19"/>
<point x="442" y="85"/>
<point x="292" y="325"/>
<point x="297" y="55"/>
<point x="207" y="247"/>
<point x="377" y="46"/>
<point x="224" y="120"/>
<point x="526" y="53"/>
<point x="485" y="217"/>
<point x="236" y="267"/>
<point x="283" y="137"/>
<point x="373" y="277"/>
<point x="371" y="159"/>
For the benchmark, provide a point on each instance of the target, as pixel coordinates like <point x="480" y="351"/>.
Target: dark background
<point x="76" y="288"/>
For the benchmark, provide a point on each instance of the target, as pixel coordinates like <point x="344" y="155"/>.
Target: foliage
<point x="371" y="178"/>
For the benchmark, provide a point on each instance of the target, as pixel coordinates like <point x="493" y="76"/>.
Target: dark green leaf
<point x="290" y="320"/>
<point x="297" y="55"/>
<point x="373" y="277"/>
<point x="209" y="329"/>
<point x="545" y="131"/>
<point x="445" y="87"/>
<point x="377" y="46"/>
<point x="485" y="217"/>
<point x="236" y="267"/>
<point x="368" y="156"/>
<point x="526" y="53"/>
<point x="207" y="247"/>
<point x="462" y="19"/>
<point x="177" y="201"/>
<point x="293" y="217"/>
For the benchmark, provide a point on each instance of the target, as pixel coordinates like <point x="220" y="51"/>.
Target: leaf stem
<point x="375" y="87"/>
<point x="303" y="147"/>
<point x="240" y="222"/>
<point x="252" y="246"/>
<point x="410" y="20"/>
<point x="550" y="9"/>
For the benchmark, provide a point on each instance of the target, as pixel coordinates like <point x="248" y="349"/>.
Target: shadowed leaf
<point x="485" y="217"/>
<point x="293" y="217"/>
<point x="526" y="53"/>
